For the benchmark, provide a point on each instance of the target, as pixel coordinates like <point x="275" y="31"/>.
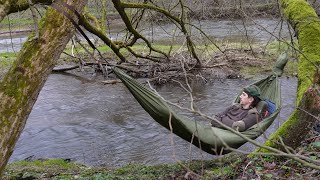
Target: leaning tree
<point x="306" y="25"/>
<point x="21" y="85"/>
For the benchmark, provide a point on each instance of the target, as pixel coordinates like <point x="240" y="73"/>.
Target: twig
<point x="35" y="18"/>
<point x="244" y="170"/>
<point x="174" y="152"/>
<point x="317" y="118"/>
<point x="10" y="35"/>
<point x="246" y="34"/>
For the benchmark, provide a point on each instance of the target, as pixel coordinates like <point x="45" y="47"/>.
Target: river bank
<point x="233" y="166"/>
<point x="237" y="61"/>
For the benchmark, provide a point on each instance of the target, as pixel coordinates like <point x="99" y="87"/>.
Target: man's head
<point x="251" y="96"/>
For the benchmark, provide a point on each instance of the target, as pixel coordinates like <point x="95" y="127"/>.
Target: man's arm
<point x="250" y="120"/>
<point x="219" y="117"/>
<point x="223" y="113"/>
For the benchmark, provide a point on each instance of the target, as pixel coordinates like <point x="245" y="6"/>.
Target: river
<point x="102" y="125"/>
<point x="261" y="30"/>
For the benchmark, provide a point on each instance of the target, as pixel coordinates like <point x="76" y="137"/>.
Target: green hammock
<point x="204" y="136"/>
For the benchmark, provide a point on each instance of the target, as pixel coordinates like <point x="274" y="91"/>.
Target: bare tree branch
<point x="35" y="18"/>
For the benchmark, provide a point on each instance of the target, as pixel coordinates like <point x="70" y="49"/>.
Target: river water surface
<point x="261" y="30"/>
<point x="98" y="124"/>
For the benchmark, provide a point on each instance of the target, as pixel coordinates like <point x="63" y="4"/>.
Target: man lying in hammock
<point x="243" y="115"/>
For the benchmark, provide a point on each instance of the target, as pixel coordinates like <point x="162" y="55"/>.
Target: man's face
<point x="245" y="99"/>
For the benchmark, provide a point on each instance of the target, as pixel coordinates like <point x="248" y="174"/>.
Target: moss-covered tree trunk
<point x="306" y="24"/>
<point x="11" y="6"/>
<point x="20" y="87"/>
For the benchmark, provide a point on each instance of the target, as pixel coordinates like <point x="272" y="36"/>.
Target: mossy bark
<point x="305" y="22"/>
<point x="12" y="6"/>
<point x="20" y="87"/>
<point x="309" y="108"/>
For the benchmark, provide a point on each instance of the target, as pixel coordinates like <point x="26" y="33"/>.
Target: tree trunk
<point x="305" y="22"/>
<point x="12" y="6"/>
<point x="20" y="87"/>
<point x="306" y="114"/>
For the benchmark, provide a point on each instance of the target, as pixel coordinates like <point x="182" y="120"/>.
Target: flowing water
<point x="258" y="31"/>
<point x="12" y="44"/>
<point x="100" y="124"/>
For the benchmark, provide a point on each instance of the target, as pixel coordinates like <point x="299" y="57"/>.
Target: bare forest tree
<point x="20" y="87"/>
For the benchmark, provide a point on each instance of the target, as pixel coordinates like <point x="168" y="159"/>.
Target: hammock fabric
<point x="204" y="136"/>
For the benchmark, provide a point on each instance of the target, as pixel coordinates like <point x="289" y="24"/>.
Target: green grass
<point x="6" y="59"/>
<point x="39" y="168"/>
<point x="16" y="22"/>
<point x="231" y="166"/>
<point x="60" y="169"/>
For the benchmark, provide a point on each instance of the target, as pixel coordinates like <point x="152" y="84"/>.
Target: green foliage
<point x="316" y="144"/>
<point x="16" y="22"/>
<point x="224" y="171"/>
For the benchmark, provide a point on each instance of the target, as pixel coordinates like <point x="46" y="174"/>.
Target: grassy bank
<point x="232" y="166"/>
<point x="61" y="169"/>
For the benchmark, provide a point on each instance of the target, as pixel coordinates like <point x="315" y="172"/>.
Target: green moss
<point x="16" y="81"/>
<point x="231" y="166"/>
<point x="61" y="169"/>
<point x="298" y="10"/>
<point x="307" y="26"/>
<point x="41" y="168"/>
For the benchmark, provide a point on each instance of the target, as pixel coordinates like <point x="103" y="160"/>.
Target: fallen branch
<point x="63" y="69"/>
<point x="113" y="81"/>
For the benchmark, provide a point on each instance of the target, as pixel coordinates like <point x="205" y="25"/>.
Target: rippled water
<point x="258" y="30"/>
<point x="13" y="44"/>
<point x="100" y="124"/>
